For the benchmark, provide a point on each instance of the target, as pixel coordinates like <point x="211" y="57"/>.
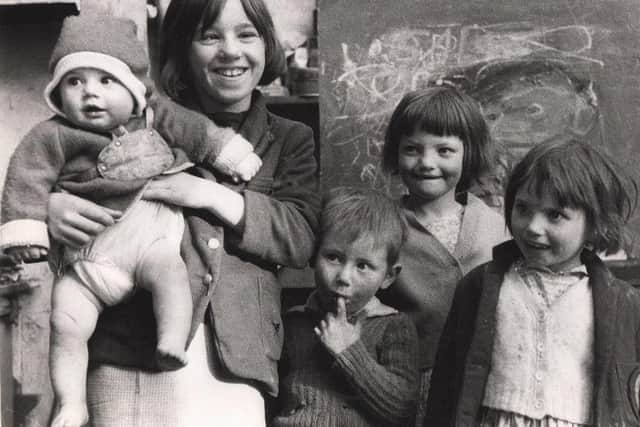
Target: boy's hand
<point x="247" y="167"/>
<point x="336" y="332"/>
<point x="20" y="254"/>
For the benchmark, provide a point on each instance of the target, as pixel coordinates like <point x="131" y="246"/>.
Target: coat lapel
<point x="478" y="361"/>
<point x="256" y="128"/>
<point x="605" y="303"/>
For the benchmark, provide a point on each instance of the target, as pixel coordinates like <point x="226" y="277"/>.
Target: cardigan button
<point x="117" y="143"/>
<point x="213" y="243"/>
<point x="208" y="279"/>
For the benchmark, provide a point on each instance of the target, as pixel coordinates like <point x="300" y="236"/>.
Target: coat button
<point x="102" y="167"/>
<point x="208" y="279"/>
<point x="213" y="243"/>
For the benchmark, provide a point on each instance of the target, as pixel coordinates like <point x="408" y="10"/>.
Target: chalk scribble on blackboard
<point x="533" y="83"/>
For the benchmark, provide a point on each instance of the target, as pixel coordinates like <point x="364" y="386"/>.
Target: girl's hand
<point x="336" y="332"/>
<point x="180" y="189"/>
<point x="74" y="221"/>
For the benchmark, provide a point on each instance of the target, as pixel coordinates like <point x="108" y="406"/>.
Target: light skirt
<point x="496" y="418"/>
<point x="189" y="397"/>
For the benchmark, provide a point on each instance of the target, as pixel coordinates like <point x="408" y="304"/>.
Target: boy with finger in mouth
<point x="349" y="359"/>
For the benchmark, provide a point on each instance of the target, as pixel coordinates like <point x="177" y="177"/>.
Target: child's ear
<point x="392" y="274"/>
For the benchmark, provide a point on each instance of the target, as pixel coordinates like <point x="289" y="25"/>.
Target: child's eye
<point x="520" y="207"/>
<point x="555" y="215"/>
<point x="363" y="266"/>
<point x="331" y="257"/>
<point x="209" y="37"/>
<point x="107" y="80"/>
<point x="248" y="34"/>
<point x="73" y="81"/>
<point x="445" y="151"/>
<point x="409" y="149"/>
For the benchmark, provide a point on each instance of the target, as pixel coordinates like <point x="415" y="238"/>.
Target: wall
<point x="541" y="70"/>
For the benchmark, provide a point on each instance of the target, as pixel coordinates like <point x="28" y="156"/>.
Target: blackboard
<point x="541" y="70"/>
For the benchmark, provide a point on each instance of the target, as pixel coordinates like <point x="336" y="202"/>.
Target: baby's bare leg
<point x="164" y="274"/>
<point x="74" y="314"/>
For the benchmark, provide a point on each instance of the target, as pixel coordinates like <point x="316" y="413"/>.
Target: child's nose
<point x="230" y="47"/>
<point x="427" y="161"/>
<point x="344" y="276"/>
<point x="535" y="225"/>
<point x="90" y="88"/>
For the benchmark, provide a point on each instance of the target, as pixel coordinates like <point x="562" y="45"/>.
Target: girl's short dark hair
<point x="442" y="111"/>
<point x="179" y="27"/>
<point x="357" y="212"/>
<point x="578" y="176"/>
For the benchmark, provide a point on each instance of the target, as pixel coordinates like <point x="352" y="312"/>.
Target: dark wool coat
<point x="463" y="360"/>
<point x="234" y="275"/>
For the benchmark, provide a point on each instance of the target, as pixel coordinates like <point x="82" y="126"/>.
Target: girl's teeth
<point x="231" y="73"/>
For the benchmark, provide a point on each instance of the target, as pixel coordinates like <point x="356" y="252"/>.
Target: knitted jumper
<point x="542" y="363"/>
<point x="371" y="383"/>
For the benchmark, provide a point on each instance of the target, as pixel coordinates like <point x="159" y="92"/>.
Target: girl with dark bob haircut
<point x="545" y="321"/>
<point x="442" y="111"/>
<point x="578" y="176"/>
<point x="439" y="144"/>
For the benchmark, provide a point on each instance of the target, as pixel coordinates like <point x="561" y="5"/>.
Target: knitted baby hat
<point x="106" y="43"/>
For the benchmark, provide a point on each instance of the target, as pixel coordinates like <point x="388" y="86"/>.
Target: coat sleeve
<point x="387" y="385"/>
<point x="33" y="170"/>
<point x="198" y="136"/>
<point x="279" y="226"/>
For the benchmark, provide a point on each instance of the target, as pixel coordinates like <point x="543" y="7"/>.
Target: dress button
<point x="208" y="279"/>
<point x="213" y="243"/>
<point x="540" y="346"/>
<point x="538" y="403"/>
<point x="538" y="376"/>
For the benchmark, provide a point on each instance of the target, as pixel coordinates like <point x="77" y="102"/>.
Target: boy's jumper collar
<point x="373" y="308"/>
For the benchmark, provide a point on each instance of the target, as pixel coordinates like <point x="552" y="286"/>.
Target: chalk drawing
<point x="537" y="94"/>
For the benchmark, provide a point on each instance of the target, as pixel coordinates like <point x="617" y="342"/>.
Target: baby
<point x="110" y="136"/>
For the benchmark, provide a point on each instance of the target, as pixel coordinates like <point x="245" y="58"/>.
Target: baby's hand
<point x="238" y="160"/>
<point x="20" y="254"/>
<point x="336" y="332"/>
<point x="248" y="167"/>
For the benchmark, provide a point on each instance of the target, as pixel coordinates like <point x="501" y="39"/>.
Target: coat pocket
<point x="628" y="379"/>
<point x="272" y="329"/>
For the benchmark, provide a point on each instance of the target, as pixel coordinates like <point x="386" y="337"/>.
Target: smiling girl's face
<point x="429" y="165"/>
<point x="548" y="234"/>
<point x="227" y="60"/>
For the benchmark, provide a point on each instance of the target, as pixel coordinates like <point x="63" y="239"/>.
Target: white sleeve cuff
<point x="23" y="232"/>
<point x="234" y="151"/>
